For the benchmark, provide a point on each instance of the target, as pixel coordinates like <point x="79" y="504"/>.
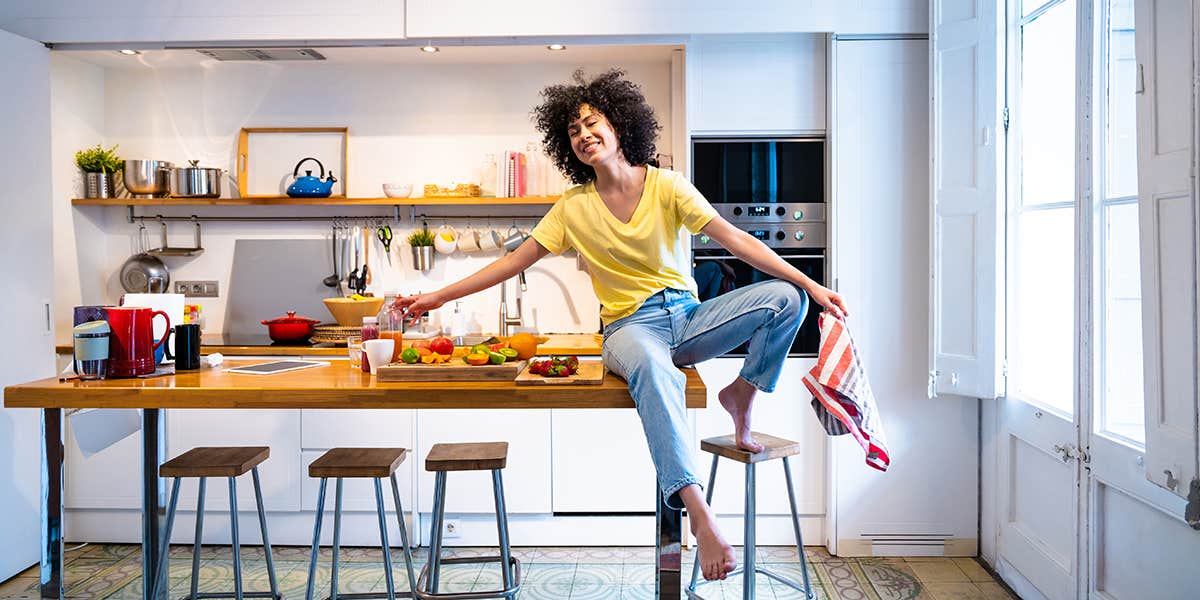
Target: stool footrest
<point x="509" y="592"/>
<point x="692" y="595"/>
<point x="202" y="595"/>
<point x="365" y="595"/>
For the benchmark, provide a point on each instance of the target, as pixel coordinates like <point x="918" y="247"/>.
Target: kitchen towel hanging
<point x="842" y="396"/>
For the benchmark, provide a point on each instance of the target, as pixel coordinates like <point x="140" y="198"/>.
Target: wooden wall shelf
<point x="286" y="201"/>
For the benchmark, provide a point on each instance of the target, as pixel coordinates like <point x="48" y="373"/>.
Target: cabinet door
<point x="769" y="84"/>
<point x="280" y="474"/>
<point x="111" y="478"/>
<point x="323" y="429"/>
<point x="456" y="18"/>
<point x="526" y="477"/>
<point x="140" y="21"/>
<point x="600" y="462"/>
<point x="882" y="16"/>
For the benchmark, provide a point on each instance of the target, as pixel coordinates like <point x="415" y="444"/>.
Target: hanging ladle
<point x="334" y="280"/>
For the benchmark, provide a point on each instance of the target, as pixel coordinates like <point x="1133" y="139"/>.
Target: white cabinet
<point x="469" y="18"/>
<point x="280" y="474"/>
<point x="152" y="22"/>
<point x="323" y="429"/>
<point x="526" y="476"/>
<point x="756" y="84"/>
<point x="601" y="462"/>
<point x="110" y="478"/>
<point x="882" y="16"/>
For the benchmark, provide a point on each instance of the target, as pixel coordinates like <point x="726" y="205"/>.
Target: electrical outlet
<point x="451" y="528"/>
<point x="197" y="289"/>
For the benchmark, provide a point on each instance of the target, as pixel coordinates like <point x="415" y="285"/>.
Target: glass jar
<point x="370" y="331"/>
<point x="391" y="326"/>
<point x="487" y="177"/>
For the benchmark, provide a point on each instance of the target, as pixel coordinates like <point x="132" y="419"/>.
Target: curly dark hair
<point x="618" y="99"/>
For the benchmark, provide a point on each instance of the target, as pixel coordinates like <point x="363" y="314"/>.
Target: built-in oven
<point x="773" y="189"/>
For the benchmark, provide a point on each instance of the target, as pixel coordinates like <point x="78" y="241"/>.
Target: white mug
<point x="468" y="241"/>
<point x="489" y="240"/>
<point x="445" y="239"/>
<point x="379" y="352"/>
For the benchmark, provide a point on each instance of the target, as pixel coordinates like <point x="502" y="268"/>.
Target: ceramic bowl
<point x="397" y="190"/>
<point x="349" y="312"/>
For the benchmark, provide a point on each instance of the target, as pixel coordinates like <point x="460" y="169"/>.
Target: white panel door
<point x="1167" y="146"/>
<point x="966" y="312"/>
<point x="28" y="273"/>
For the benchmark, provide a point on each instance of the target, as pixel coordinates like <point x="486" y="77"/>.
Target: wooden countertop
<point x="334" y="386"/>
<point x="580" y="344"/>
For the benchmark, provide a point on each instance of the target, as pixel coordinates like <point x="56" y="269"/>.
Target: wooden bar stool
<point x="374" y="463"/>
<point x="443" y="458"/>
<point x="229" y="462"/>
<point x="773" y="448"/>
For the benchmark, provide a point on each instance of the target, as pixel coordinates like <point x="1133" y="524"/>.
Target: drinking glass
<point x="354" y="348"/>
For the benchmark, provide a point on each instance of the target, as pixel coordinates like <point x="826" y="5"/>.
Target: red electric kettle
<point x="131" y="345"/>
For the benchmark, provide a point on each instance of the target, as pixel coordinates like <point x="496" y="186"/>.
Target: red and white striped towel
<point x="842" y="397"/>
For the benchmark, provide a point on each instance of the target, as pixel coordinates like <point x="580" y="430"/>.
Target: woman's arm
<point x="758" y="255"/>
<point x="497" y="271"/>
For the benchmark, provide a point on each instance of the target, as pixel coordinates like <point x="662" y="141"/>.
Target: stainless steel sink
<point x="471" y="340"/>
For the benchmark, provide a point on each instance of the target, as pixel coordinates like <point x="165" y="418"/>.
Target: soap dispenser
<point x="458" y="321"/>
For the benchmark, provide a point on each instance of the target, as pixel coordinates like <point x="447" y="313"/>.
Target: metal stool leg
<point x="748" y="550"/>
<point x="196" y="543"/>
<point x="262" y="523"/>
<point x="165" y="557"/>
<point x="712" y="481"/>
<point x="412" y="579"/>
<point x="435" y="538"/>
<point x="237" y="549"/>
<point x="787" y="473"/>
<point x="502" y="528"/>
<point x="312" y="560"/>
<point x="383" y="541"/>
<point x="337" y="539"/>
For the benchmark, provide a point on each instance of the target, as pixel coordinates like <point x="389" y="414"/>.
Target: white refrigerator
<point x="26" y="267"/>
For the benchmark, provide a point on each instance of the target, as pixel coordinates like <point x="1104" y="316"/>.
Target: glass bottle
<point x="487" y="178"/>
<point x="391" y="325"/>
<point x="370" y="331"/>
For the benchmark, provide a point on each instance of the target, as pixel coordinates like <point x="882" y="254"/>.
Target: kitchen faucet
<point x="507" y="320"/>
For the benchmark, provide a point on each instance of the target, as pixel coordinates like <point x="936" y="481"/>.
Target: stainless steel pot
<point x="148" y="178"/>
<point x="144" y="272"/>
<point x="195" y="181"/>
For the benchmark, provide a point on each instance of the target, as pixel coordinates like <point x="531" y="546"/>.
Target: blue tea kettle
<point x="309" y="186"/>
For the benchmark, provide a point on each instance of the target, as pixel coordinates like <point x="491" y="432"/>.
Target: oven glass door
<point x="717" y="273"/>
<point x="759" y="171"/>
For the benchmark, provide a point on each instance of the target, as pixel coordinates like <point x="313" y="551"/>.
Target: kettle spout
<point x="327" y="185"/>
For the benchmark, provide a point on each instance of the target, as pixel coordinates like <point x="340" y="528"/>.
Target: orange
<point x="525" y="345"/>
<point x="477" y="359"/>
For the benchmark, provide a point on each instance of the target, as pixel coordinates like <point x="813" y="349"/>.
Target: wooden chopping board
<point x="455" y="370"/>
<point x="591" y="372"/>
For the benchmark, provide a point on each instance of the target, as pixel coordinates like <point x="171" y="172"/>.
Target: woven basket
<point x="329" y="333"/>
<point x="462" y="189"/>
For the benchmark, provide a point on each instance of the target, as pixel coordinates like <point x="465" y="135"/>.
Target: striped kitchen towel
<point x="842" y="397"/>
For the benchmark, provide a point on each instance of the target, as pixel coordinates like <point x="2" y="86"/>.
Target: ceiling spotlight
<point x="128" y="52"/>
<point x="556" y="47"/>
<point x="429" y="49"/>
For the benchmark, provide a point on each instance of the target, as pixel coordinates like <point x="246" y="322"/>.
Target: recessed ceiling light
<point x="128" y="52"/>
<point x="429" y="48"/>
<point x="556" y="47"/>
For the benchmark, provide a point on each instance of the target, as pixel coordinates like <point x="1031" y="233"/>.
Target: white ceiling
<point x="176" y="58"/>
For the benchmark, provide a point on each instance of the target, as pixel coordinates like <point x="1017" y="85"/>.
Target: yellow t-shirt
<point x="629" y="262"/>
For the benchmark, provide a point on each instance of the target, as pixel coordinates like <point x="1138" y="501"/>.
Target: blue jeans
<point x="673" y="329"/>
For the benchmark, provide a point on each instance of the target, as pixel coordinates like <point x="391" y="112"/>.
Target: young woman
<point x="624" y="217"/>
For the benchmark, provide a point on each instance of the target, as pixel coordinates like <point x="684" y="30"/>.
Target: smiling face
<point x="592" y="137"/>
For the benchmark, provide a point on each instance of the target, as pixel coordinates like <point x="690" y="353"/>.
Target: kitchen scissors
<point x="384" y="233"/>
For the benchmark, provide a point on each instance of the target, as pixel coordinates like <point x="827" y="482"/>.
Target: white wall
<point x="414" y="123"/>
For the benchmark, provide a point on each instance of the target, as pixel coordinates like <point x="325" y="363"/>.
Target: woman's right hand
<point x="417" y="305"/>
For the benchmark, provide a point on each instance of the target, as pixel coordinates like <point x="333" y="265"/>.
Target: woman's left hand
<point x="828" y="299"/>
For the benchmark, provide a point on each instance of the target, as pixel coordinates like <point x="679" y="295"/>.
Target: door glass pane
<point x="1047" y="107"/>
<point x="1042" y="342"/>
<point x="1028" y="6"/>
<point x="1120" y="168"/>
<point x="1121" y="411"/>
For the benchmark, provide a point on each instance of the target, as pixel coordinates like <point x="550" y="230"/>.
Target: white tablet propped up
<point x="279" y="366"/>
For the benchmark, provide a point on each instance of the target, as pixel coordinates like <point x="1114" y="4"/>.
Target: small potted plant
<point x="98" y="166"/>
<point x="421" y="241"/>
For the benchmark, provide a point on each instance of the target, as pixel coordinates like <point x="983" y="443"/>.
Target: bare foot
<point x="716" y="555"/>
<point x="738" y="399"/>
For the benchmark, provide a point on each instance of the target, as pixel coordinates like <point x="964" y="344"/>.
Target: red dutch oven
<point x="290" y="328"/>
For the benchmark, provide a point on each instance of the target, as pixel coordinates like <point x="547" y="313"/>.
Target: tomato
<point x="420" y="344"/>
<point x="423" y="351"/>
<point x="442" y="345"/>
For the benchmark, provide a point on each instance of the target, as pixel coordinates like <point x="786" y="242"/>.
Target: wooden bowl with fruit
<point x="349" y="311"/>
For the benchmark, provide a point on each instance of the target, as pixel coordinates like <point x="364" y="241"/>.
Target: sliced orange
<point x="477" y="359"/>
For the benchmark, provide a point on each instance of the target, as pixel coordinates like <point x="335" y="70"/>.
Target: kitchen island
<point x="320" y="387"/>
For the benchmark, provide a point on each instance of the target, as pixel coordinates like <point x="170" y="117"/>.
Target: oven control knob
<point x="799" y="236"/>
<point x="779" y="235"/>
<point x="737" y="211"/>
<point x="779" y="211"/>
<point x="798" y="215"/>
<point x="704" y="239"/>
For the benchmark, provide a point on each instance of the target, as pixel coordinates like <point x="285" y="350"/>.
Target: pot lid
<point x="290" y="319"/>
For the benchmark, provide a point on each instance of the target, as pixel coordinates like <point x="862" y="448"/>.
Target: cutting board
<point x="455" y="370"/>
<point x="591" y="372"/>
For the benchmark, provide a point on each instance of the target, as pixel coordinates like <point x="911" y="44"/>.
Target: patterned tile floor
<point x="113" y="571"/>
